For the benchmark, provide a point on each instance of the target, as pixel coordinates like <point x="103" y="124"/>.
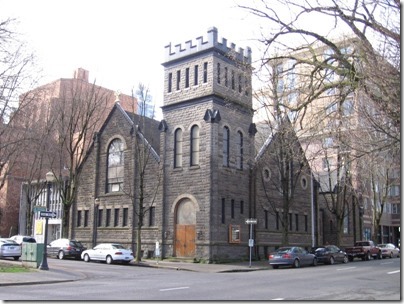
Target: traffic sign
<point x="251" y="221"/>
<point x="48" y="214"/>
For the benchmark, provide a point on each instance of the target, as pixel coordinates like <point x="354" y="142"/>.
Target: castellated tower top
<point x="180" y="51"/>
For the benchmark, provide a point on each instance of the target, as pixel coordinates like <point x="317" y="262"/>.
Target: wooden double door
<point x="185" y="230"/>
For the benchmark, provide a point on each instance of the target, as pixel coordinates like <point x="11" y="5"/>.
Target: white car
<point x="108" y="252"/>
<point x="10" y="249"/>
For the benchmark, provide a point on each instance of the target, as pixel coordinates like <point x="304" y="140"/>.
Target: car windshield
<point x="284" y="250"/>
<point x="76" y="244"/>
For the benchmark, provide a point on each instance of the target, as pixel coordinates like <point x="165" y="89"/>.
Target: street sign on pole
<point x="47" y="214"/>
<point x="251" y="221"/>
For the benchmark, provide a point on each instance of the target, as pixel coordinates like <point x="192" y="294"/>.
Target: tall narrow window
<point x="266" y="218"/>
<point x="115" y="172"/>
<point x="170" y="82"/>
<point x="246" y="86"/>
<point x="108" y="218"/>
<point x="277" y="220"/>
<point x="233" y="80"/>
<point x="100" y="217"/>
<point x="290" y="222"/>
<point x="79" y="218"/>
<point x="226" y="80"/>
<point x="297" y="222"/>
<point x="116" y="217"/>
<point x="226" y="146"/>
<point x="232" y="208"/>
<point x="152" y="216"/>
<point x="218" y="73"/>
<point x="306" y="226"/>
<point x="178" y="79"/>
<point x="178" y="148"/>
<point x="240" y="85"/>
<point x="196" y="71"/>
<point x="187" y="77"/>
<point x="86" y="215"/>
<point x="241" y="207"/>
<point x="223" y="210"/>
<point x="205" y="72"/>
<point x="239" y="150"/>
<point x="195" y="145"/>
<point x="125" y="217"/>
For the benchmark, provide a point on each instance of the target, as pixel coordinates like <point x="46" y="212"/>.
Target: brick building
<point x="27" y="166"/>
<point x="203" y="173"/>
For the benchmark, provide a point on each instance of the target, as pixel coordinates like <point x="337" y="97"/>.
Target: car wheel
<point x="109" y="260"/>
<point x="346" y="259"/>
<point x="275" y="266"/>
<point x="61" y="255"/>
<point x="332" y="261"/>
<point x="314" y="262"/>
<point x="296" y="263"/>
<point x="86" y="258"/>
<point x="16" y="258"/>
<point x="350" y="258"/>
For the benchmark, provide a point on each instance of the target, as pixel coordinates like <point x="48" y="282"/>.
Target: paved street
<point x="370" y="280"/>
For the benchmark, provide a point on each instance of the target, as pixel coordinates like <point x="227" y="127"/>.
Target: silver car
<point x="9" y="249"/>
<point x="291" y="256"/>
<point x="389" y="250"/>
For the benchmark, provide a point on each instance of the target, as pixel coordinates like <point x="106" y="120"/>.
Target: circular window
<point x="266" y="173"/>
<point x="303" y="182"/>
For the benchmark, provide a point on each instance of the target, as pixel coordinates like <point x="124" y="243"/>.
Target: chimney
<point x="81" y="74"/>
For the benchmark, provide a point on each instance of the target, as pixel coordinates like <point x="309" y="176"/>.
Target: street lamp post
<point x="49" y="179"/>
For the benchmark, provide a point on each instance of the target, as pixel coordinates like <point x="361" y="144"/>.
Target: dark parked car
<point x="62" y="248"/>
<point x="389" y="250"/>
<point x="23" y="239"/>
<point x="291" y="256"/>
<point x="329" y="254"/>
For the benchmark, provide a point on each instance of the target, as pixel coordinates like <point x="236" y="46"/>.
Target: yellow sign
<point x="38" y="227"/>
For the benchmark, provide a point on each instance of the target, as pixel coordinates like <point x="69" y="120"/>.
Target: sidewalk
<point x="61" y="274"/>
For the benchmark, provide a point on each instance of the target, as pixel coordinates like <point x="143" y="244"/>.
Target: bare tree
<point x="147" y="170"/>
<point x="17" y="67"/>
<point x="73" y="119"/>
<point x="373" y="27"/>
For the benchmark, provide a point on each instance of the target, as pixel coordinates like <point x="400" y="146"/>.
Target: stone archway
<point x="185" y="224"/>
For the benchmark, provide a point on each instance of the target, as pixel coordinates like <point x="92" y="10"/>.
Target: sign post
<point x="157" y="251"/>
<point x="251" y="222"/>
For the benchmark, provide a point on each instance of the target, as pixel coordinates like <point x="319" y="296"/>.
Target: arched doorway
<point x="185" y="229"/>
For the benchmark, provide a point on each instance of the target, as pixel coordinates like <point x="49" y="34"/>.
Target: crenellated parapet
<point x="200" y="44"/>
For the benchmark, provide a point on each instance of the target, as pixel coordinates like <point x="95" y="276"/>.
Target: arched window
<point x="115" y="166"/>
<point x="226" y="146"/>
<point x="178" y="148"/>
<point x="239" y="150"/>
<point x="194" y="145"/>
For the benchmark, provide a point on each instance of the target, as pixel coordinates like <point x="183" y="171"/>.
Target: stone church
<point x="198" y="173"/>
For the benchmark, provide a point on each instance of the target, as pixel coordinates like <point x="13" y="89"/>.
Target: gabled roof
<point x="145" y="127"/>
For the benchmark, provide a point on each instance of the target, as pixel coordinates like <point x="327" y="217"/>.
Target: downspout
<point x="313" y="237"/>
<point x="96" y="183"/>
<point x="162" y="166"/>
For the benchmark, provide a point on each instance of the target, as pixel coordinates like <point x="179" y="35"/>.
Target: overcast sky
<point x="121" y="42"/>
